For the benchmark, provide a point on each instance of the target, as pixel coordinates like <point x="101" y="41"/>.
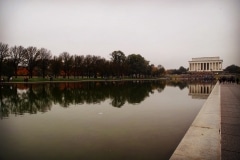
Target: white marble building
<point x="205" y="64"/>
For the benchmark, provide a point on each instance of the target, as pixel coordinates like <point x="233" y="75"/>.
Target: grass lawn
<point x="71" y="79"/>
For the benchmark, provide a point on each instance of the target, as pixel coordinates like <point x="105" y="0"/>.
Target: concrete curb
<point x="202" y="140"/>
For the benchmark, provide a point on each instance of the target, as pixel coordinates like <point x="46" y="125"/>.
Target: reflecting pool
<point x="96" y="120"/>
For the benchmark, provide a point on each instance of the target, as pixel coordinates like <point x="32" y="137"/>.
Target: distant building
<point x="205" y="64"/>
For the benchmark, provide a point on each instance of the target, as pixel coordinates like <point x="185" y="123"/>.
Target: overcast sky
<point x="166" y="32"/>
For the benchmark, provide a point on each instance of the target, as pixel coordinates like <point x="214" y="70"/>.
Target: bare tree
<point x="101" y="68"/>
<point x="3" y="55"/>
<point x="88" y="65"/>
<point x="44" y="58"/>
<point x="31" y="56"/>
<point x="77" y="65"/>
<point x="16" y="57"/>
<point x="67" y="60"/>
<point x="55" y="66"/>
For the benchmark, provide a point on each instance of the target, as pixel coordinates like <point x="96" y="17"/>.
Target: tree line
<point x="41" y="62"/>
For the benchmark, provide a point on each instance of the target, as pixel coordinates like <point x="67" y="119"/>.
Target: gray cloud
<point x="164" y="32"/>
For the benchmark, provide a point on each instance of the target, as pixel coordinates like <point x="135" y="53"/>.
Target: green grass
<point x="71" y="79"/>
<point x="40" y="79"/>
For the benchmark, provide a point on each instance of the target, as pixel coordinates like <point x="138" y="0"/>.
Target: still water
<point x="97" y="120"/>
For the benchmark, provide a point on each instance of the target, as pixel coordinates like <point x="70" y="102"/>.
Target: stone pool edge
<point x="203" y="138"/>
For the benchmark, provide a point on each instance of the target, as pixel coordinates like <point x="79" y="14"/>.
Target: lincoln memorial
<point x="205" y="64"/>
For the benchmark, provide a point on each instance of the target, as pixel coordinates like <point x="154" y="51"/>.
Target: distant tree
<point x="55" y="66"/>
<point x="156" y="71"/>
<point x="87" y="65"/>
<point x="94" y="65"/>
<point x="16" y="56"/>
<point x="102" y="67"/>
<point x="118" y="59"/>
<point x="137" y="65"/>
<point x="161" y="70"/>
<point x="44" y="59"/>
<point x="182" y="70"/>
<point x="67" y="60"/>
<point x="232" y="69"/>
<point x="8" y="68"/>
<point x="31" y="55"/>
<point x="106" y="68"/>
<point x="3" y="55"/>
<point x="78" y="65"/>
<point x="152" y="70"/>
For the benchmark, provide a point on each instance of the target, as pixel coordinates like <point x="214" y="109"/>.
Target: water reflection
<point x="31" y="98"/>
<point x="200" y="91"/>
<point x="180" y="84"/>
<point x="150" y="124"/>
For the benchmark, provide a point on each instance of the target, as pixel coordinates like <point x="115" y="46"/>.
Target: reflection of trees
<point x="4" y="109"/>
<point x="33" y="98"/>
<point x="117" y="94"/>
<point x="30" y="100"/>
<point x="180" y="84"/>
<point x="137" y="94"/>
<point x="44" y="101"/>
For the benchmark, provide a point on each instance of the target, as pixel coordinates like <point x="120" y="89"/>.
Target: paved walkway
<point x="230" y="121"/>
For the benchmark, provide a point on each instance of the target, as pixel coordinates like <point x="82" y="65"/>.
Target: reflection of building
<point x="200" y="91"/>
<point x="205" y="64"/>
